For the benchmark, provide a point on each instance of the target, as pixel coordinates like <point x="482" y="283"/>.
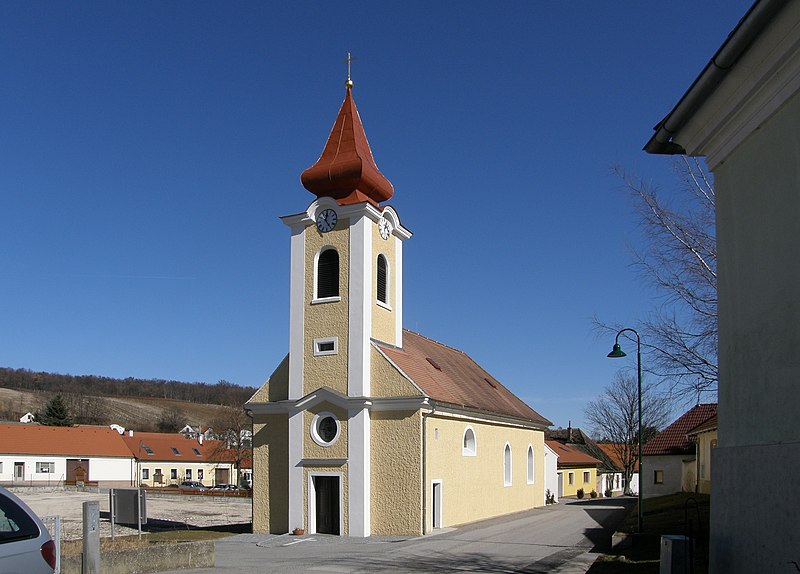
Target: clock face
<point x="385" y="228"/>
<point x="326" y="220"/>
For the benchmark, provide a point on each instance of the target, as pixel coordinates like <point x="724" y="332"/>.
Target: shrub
<point x="608" y="493"/>
<point x="580" y="493"/>
<point x="593" y="494"/>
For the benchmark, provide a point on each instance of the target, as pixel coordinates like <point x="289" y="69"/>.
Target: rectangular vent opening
<point x="491" y="384"/>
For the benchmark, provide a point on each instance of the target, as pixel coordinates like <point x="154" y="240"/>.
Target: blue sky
<point x="147" y="150"/>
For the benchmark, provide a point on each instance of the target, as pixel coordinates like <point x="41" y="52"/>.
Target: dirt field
<point x="164" y="512"/>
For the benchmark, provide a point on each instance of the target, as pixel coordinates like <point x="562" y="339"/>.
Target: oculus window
<point x="325" y="429"/>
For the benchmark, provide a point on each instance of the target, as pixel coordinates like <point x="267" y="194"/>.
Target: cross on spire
<point x="349" y="82"/>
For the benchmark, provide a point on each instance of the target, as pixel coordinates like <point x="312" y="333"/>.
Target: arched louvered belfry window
<point x="383" y="280"/>
<point x="328" y="274"/>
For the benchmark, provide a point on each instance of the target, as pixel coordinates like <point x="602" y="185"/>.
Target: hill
<point x="144" y="405"/>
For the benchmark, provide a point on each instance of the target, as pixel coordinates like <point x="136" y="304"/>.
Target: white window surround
<point x="469" y="443"/>
<point x="530" y="464"/>
<point x="323" y="347"/>
<point x="507" y="465"/>
<point x="315" y="422"/>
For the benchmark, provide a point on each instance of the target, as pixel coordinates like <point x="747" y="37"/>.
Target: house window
<point x="325" y="429"/>
<point x="383" y="280"/>
<point x="175" y="451"/>
<point x="145" y="474"/>
<point x="1" y="467"/>
<point x="328" y="274"/>
<point x="148" y="450"/>
<point x="327" y="346"/>
<point x="197" y="452"/>
<point x="658" y="477"/>
<point x="469" y="446"/>
<point x="199" y="474"/>
<point x="507" y="465"/>
<point x="586" y="476"/>
<point x="45" y="467"/>
<point x="188" y="474"/>
<point x="173" y="474"/>
<point x="530" y="464"/>
<point x="571" y="478"/>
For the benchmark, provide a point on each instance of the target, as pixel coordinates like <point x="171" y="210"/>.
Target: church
<point x="366" y="428"/>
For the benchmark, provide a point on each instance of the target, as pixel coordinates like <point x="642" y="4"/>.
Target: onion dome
<point x="346" y="170"/>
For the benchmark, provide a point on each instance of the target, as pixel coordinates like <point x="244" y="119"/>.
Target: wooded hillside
<point x="140" y="404"/>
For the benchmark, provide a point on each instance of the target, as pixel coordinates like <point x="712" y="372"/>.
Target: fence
<point x="53" y="525"/>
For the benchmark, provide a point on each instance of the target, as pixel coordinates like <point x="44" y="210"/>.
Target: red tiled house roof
<point x="451" y="376"/>
<point x="709" y="425"/>
<point x="609" y="450"/>
<point x="141" y="444"/>
<point x="568" y="455"/>
<point x="674" y="439"/>
<point x="79" y="441"/>
<point x="579" y="440"/>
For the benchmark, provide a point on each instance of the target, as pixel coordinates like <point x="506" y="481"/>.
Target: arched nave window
<point x="507" y="465"/>
<point x="530" y="464"/>
<point x="469" y="446"/>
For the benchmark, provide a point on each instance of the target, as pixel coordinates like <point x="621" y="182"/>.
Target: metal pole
<point x="641" y="473"/>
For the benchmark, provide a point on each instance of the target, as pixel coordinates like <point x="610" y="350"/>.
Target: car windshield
<point x="15" y="524"/>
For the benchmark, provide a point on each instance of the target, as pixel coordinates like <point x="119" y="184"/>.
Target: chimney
<point x="569" y="431"/>
<point x="200" y="438"/>
<point x="130" y="432"/>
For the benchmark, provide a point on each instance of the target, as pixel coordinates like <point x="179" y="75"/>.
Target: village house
<point x="366" y="427"/>
<point x="670" y="456"/>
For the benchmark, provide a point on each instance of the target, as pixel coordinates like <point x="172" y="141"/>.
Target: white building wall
<point x="672" y="468"/>
<point x="101" y="469"/>
<point x="550" y="472"/>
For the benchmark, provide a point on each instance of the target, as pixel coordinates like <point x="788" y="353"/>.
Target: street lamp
<point x="616" y="353"/>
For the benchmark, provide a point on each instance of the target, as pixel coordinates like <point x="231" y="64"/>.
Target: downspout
<point x="424" y="467"/>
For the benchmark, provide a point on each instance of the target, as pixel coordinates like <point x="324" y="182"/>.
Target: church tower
<point x="346" y="291"/>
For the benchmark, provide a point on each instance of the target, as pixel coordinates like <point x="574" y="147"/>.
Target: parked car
<point x="225" y="487"/>
<point x="191" y="485"/>
<point x="25" y="543"/>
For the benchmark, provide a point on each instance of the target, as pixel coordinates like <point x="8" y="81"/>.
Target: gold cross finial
<point x="349" y="82"/>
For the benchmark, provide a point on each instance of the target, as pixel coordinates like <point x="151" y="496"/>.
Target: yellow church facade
<point x="365" y="427"/>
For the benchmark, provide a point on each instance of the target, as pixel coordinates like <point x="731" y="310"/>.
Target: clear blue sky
<point x="147" y="150"/>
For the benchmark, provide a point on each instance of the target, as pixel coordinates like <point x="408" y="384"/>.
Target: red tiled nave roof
<point x="450" y="376"/>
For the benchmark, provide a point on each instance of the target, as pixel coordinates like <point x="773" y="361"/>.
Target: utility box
<point x="129" y="506"/>
<point x="675" y="554"/>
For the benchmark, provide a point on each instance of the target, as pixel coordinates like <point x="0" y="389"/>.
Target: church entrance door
<point x="327" y="502"/>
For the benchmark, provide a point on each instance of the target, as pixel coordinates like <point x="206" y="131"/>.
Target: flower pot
<point x="298" y="531"/>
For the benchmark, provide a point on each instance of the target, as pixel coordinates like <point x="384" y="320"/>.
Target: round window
<point x="325" y="429"/>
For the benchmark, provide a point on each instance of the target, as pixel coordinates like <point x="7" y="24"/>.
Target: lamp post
<point x="616" y="353"/>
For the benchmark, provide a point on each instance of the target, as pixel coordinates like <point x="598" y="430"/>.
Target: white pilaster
<point x="296" y="518"/>
<point x="360" y="312"/>
<point x="359" y="472"/>
<point x="398" y="290"/>
<point x="296" y="311"/>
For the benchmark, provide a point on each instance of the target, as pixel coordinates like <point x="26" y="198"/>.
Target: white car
<point x="25" y="543"/>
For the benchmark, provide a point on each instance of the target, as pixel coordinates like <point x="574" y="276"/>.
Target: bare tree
<point x="614" y="418"/>
<point x="678" y="257"/>
<point x="235" y="429"/>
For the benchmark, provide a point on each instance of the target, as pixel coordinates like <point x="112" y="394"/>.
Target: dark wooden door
<point x="327" y="493"/>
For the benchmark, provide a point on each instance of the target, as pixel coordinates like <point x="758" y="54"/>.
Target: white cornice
<point x="309" y="216"/>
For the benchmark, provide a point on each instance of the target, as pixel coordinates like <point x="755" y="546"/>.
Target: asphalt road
<point x="560" y="538"/>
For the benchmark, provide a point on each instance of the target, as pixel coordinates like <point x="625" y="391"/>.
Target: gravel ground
<point x="164" y="512"/>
